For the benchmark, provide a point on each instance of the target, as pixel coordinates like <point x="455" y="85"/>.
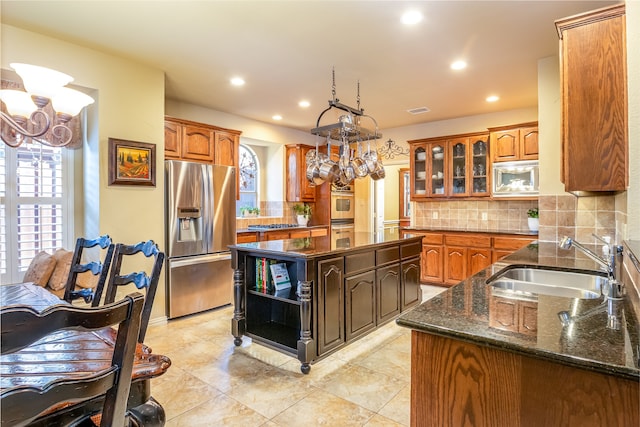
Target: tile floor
<point x="213" y="383"/>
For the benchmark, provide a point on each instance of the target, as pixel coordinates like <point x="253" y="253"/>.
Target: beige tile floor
<point x="213" y="383"/>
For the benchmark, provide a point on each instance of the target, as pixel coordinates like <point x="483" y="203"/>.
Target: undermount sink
<point x="534" y="280"/>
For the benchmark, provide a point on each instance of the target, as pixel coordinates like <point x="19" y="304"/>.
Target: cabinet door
<point x="480" y="166"/>
<point x="455" y="265"/>
<point x="299" y="189"/>
<point x="594" y="101"/>
<point x="418" y="166"/>
<point x="458" y="167"/>
<point x="438" y="175"/>
<point x="431" y="264"/>
<point x="330" y="304"/>
<point x="529" y="143"/>
<point x="226" y="148"/>
<point x="360" y="304"/>
<point x="227" y="145"/>
<point x="478" y="259"/>
<point x="172" y="140"/>
<point x="276" y="235"/>
<point x="504" y="145"/>
<point x="388" y="288"/>
<point x="247" y="237"/>
<point x="197" y="143"/>
<point x="410" y="283"/>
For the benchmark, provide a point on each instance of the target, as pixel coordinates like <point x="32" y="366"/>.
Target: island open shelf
<point x="337" y="295"/>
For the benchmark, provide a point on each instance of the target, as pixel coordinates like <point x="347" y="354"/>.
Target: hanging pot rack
<point x="353" y="163"/>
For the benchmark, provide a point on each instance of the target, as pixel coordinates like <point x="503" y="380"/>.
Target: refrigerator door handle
<point x="181" y="262"/>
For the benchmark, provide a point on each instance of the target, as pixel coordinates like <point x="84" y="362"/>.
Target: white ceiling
<point x="285" y="50"/>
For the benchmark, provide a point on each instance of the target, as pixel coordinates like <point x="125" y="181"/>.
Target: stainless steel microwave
<point x="516" y="179"/>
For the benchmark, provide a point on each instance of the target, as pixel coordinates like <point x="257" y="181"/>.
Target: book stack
<point x="272" y="277"/>
<point x="263" y="275"/>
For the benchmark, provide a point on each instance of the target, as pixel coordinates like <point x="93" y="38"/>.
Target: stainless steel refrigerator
<point x="201" y="223"/>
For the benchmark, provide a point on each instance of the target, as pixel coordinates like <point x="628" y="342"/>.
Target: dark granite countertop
<point x="309" y="247"/>
<point x="467" y="230"/>
<point x="462" y="312"/>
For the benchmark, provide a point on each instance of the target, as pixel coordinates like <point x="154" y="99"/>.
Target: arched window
<point x="249" y="179"/>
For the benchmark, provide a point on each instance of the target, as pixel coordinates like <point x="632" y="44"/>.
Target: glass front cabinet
<point x="450" y="167"/>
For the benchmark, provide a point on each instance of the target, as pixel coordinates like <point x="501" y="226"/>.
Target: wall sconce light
<point x="26" y="120"/>
<point x="390" y="150"/>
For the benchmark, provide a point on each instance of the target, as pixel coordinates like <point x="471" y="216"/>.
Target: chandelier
<point x="26" y="120"/>
<point x="390" y="150"/>
<point x="355" y="160"/>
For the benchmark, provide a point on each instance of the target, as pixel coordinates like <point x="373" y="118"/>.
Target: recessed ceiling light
<point x="418" y="110"/>
<point x="277" y="117"/>
<point x="411" y="17"/>
<point x="492" y="98"/>
<point x="237" y="81"/>
<point x="458" y="65"/>
<point x="304" y="104"/>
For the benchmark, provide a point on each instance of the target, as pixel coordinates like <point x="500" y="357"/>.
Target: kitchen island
<point x="470" y="365"/>
<point x="337" y="294"/>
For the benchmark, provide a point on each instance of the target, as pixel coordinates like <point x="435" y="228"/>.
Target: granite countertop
<point x="467" y="230"/>
<point x="309" y="247"/>
<point x="462" y="312"/>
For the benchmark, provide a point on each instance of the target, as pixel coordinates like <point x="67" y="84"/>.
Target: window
<point x="249" y="182"/>
<point x="35" y="205"/>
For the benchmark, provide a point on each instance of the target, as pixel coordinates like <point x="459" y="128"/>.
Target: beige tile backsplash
<point x="580" y="217"/>
<point x="485" y="215"/>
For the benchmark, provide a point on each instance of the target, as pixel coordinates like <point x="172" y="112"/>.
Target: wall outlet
<point x="484" y="216"/>
<point x="434" y="215"/>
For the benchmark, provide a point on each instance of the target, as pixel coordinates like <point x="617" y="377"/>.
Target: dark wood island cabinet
<point x="337" y="295"/>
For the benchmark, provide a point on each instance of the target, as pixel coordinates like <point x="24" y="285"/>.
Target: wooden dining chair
<point x="97" y="268"/>
<point x="140" y="279"/>
<point x="29" y="405"/>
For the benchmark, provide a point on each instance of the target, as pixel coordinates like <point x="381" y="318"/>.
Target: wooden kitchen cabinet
<point x="187" y="140"/>
<point x="388" y="289"/>
<point x="514" y="142"/>
<point x="248" y="237"/>
<point x="197" y="143"/>
<point x="450" y="167"/>
<point x="503" y="246"/>
<point x="360" y="304"/>
<point x="299" y="189"/>
<point x="172" y="140"/>
<point x="450" y="257"/>
<point x="226" y="145"/>
<point x="330" y="290"/>
<point x="593" y="75"/>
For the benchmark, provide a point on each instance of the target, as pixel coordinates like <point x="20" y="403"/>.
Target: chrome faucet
<point x="611" y="264"/>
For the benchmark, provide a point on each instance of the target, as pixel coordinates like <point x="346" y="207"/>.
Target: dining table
<point x="72" y="354"/>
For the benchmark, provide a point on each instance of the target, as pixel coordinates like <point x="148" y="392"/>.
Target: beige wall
<point x="130" y="105"/>
<point x="549" y="122"/>
<point x="633" y="92"/>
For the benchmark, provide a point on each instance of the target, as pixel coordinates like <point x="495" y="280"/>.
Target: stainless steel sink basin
<point x="529" y="280"/>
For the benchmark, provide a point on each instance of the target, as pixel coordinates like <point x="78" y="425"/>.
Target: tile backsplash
<point x="474" y="215"/>
<point x="580" y="217"/>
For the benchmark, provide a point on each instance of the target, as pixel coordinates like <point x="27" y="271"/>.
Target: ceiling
<point x="285" y="50"/>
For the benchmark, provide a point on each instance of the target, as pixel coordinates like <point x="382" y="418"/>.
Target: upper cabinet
<point x="299" y="189"/>
<point x="187" y="140"/>
<point x="514" y="142"/>
<point x="594" y="100"/>
<point x="454" y="166"/>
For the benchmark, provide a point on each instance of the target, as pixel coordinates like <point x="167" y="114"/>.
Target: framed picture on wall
<point x="132" y="163"/>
